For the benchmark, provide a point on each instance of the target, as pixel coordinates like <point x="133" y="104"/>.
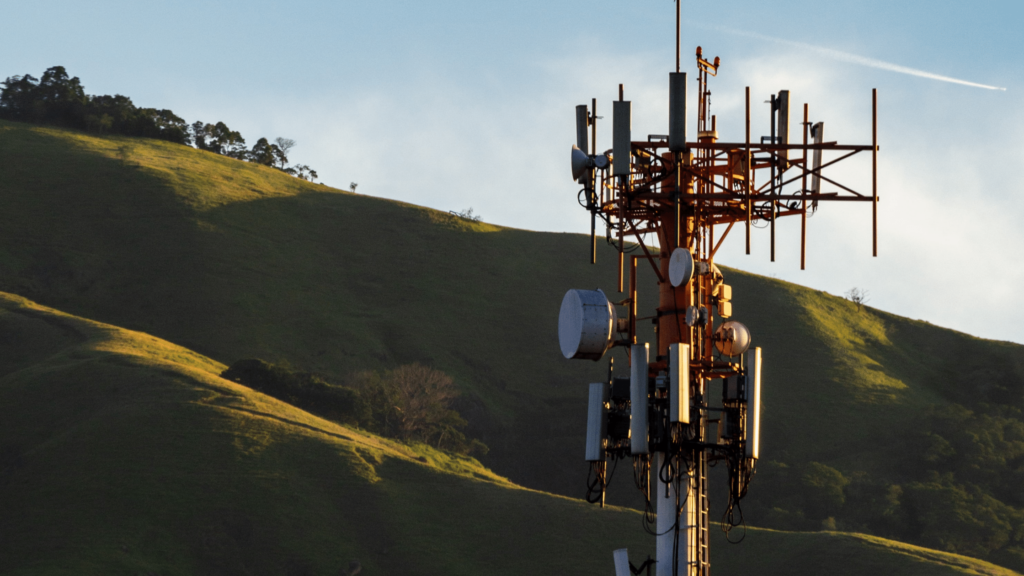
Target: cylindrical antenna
<point x="622" y="241"/>
<point x="874" y="172"/>
<point x="678" y="2"/>
<point x="593" y="236"/>
<point x="632" y="299"/>
<point x="803" y="192"/>
<point x="593" y="151"/>
<point x="774" y="157"/>
<point x="746" y="172"/>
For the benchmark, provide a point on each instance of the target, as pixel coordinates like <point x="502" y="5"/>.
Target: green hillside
<point x="124" y="454"/>
<point x="872" y="422"/>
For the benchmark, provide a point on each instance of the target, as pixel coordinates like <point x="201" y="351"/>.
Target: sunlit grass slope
<point x="237" y="260"/>
<point x="121" y="453"/>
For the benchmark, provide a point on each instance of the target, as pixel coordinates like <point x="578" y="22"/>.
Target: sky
<point x="469" y="104"/>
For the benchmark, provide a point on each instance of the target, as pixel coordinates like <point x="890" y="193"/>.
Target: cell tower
<point x="661" y="416"/>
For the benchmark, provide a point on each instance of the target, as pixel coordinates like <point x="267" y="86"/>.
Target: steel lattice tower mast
<point x="683" y="193"/>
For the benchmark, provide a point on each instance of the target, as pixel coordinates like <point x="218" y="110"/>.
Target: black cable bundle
<point x="740" y="473"/>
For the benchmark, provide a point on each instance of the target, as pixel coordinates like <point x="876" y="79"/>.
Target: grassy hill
<point x="235" y="260"/>
<point x="125" y="454"/>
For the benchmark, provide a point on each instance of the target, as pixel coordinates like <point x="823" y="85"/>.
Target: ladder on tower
<point x="703" y="530"/>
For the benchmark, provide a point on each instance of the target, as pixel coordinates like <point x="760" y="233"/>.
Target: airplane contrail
<point x="852" y="58"/>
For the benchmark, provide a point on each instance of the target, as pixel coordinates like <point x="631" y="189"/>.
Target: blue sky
<point x="464" y="104"/>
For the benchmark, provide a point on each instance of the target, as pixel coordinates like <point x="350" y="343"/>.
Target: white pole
<point x="666" y="509"/>
<point x="639" y="398"/>
<point x="621" y="557"/>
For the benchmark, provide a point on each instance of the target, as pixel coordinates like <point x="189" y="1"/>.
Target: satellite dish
<point x="732" y="338"/>
<point x="580" y="162"/>
<point x="680" y="267"/>
<point x="586" y="324"/>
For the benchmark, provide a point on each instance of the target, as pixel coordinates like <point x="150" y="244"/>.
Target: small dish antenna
<point x="732" y="338"/>
<point x="680" y="267"/>
<point x="581" y="161"/>
<point x="696" y="316"/>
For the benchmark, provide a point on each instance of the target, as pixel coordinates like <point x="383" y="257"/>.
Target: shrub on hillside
<point x="414" y="402"/>
<point x="410" y="403"/>
<point x="959" y="487"/>
<point x="302" y="389"/>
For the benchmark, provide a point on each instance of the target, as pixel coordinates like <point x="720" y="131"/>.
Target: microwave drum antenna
<point x="586" y="324"/>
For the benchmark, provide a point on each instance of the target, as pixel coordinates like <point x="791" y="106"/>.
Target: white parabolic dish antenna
<point x="680" y="267"/>
<point x="732" y="338"/>
<point x="586" y="324"/>
<point x="580" y="162"/>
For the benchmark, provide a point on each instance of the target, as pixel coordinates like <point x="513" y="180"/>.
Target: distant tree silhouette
<point x="59" y="99"/>
<point x="63" y="98"/>
<point x="284" y="145"/>
<point x="858" y="296"/>
<point x="263" y="152"/>
<point x="302" y="171"/>
<point x="225" y="141"/>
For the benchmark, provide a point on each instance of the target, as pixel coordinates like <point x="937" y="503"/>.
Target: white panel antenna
<point x="621" y="135"/>
<point x="667" y="515"/>
<point x="582" y="123"/>
<point x="783" y="105"/>
<point x="679" y="385"/>
<point x="597" y="422"/>
<point x="818" y="133"/>
<point x="753" y="392"/>
<point x="638" y="397"/>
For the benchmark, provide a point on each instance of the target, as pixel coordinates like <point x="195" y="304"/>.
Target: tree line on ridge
<point x="58" y="99"/>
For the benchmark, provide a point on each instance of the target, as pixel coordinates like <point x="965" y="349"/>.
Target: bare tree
<point x="467" y="214"/>
<point x="284" y="145"/>
<point x="412" y="402"/>
<point x="858" y="296"/>
<point x="425" y="397"/>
